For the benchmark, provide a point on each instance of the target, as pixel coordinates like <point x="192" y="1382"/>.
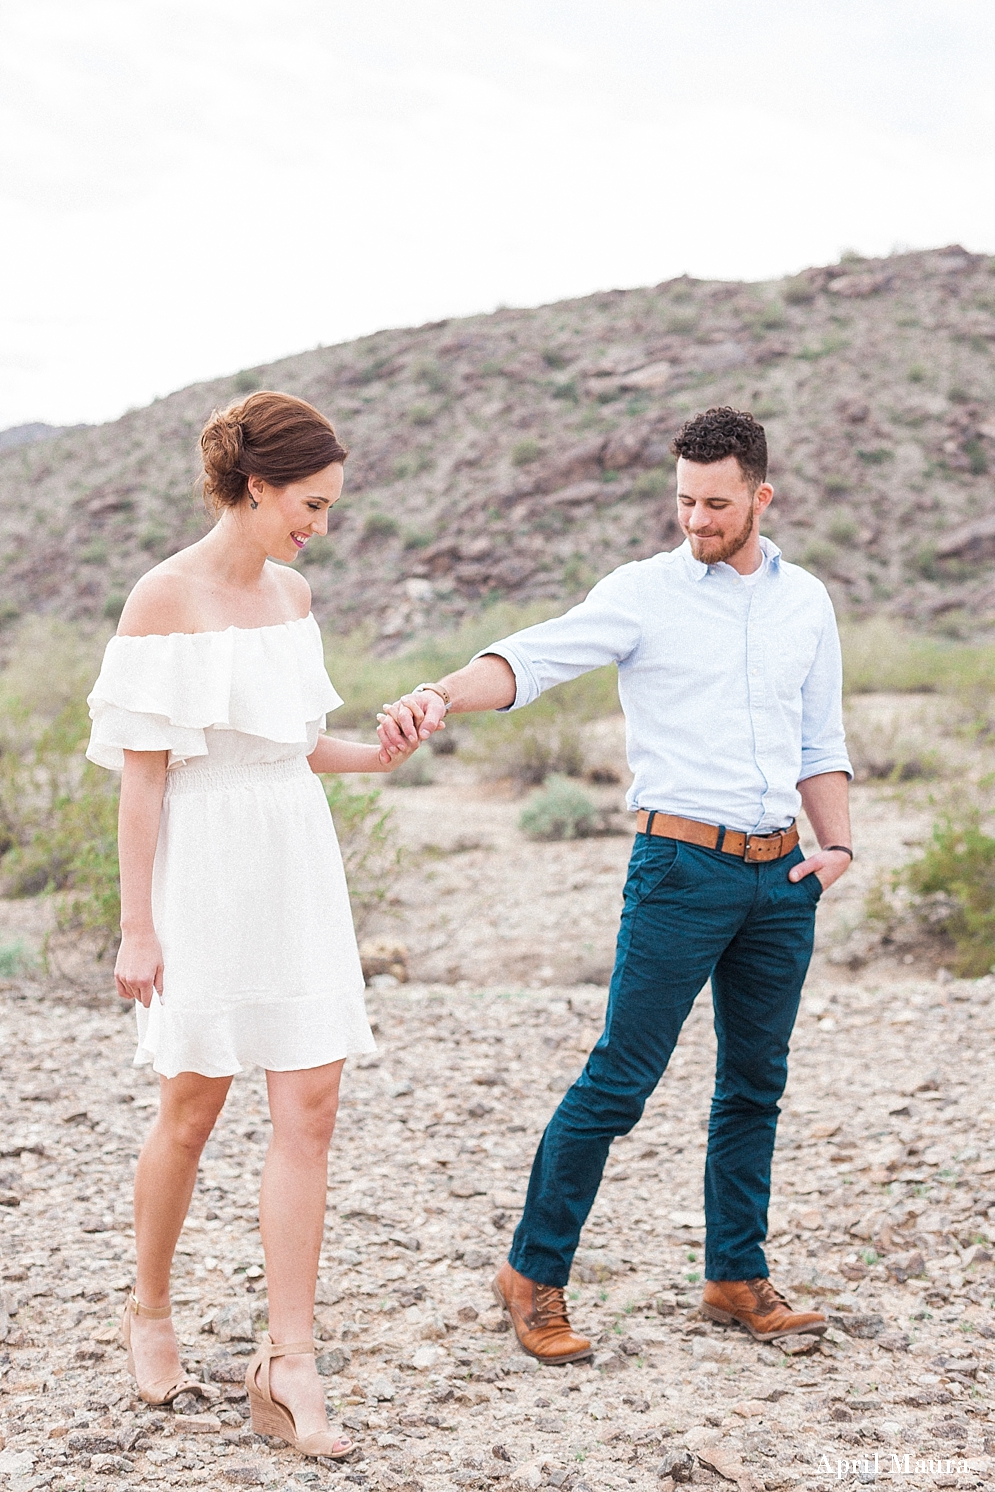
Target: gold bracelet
<point x="438" y="689"/>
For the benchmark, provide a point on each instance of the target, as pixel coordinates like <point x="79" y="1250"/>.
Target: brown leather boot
<point x="539" y="1315"/>
<point x="756" y="1305"/>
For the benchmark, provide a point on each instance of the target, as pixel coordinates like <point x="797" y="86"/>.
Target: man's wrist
<point x="438" y="689"/>
<point x="844" y="849"/>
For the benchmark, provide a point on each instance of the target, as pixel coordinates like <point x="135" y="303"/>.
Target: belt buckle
<point x="765" y="844"/>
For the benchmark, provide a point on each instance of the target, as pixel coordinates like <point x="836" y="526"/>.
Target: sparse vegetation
<point x="380" y="526"/>
<point x="561" y="811"/>
<point x="958" y="868"/>
<point x="523" y="452"/>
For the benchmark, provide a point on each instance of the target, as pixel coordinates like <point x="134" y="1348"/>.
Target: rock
<point x="91" y="1443"/>
<point x="865" y="1327"/>
<point x="382" y="1388"/>
<point x="750" y="1408"/>
<point x="188" y="1403"/>
<point x="797" y="1344"/>
<point x="110" y="1465"/>
<point x="221" y="1367"/>
<point x="467" y="1313"/>
<point x="593" y="1266"/>
<point x="549" y="1424"/>
<point x="93" y="1224"/>
<point x="233" y="1322"/>
<point x="725" y="1459"/>
<point x="707" y="1349"/>
<point x="426" y="1357"/>
<point x="382" y="957"/>
<point x="677" y="1464"/>
<point x="698" y="1436"/>
<point x="477" y="1258"/>
<point x="334" y="1361"/>
<point x="244" y="1476"/>
<point x="197" y="1424"/>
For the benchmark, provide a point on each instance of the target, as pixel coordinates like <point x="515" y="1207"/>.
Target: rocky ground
<point x="883" y="1215"/>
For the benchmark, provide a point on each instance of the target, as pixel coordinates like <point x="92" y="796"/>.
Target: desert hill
<point x="523" y="454"/>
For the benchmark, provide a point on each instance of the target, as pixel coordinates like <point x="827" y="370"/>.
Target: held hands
<point x="406" y="723"/>
<point x="827" y="866"/>
<point x="138" y="970"/>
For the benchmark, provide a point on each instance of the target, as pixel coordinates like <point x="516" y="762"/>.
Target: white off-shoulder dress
<point x="249" y="897"/>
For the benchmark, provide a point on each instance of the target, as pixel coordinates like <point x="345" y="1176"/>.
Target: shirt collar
<point x="697" y="568"/>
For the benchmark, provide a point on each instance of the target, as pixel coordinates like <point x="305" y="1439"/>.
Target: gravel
<point x="886" y="1152"/>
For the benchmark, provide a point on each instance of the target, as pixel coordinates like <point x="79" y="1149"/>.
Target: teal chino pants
<point x="689" y="914"/>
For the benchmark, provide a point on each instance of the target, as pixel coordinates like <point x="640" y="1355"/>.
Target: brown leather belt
<point x="752" y="847"/>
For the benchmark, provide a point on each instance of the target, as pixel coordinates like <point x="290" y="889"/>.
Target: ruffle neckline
<point x="162" y="691"/>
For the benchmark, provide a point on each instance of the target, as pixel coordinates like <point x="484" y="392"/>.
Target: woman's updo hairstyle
<point x="273" y="436"/>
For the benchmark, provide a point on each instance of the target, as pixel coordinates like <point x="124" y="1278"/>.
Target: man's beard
<point x="699" y="546"/>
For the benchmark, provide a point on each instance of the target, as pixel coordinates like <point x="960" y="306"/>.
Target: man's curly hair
<point x="724" y="432"/>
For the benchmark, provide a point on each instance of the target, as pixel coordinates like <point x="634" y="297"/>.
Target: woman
<point x="237" y="943"/>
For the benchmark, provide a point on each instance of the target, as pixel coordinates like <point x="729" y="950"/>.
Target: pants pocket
<point x="651" y="868"/>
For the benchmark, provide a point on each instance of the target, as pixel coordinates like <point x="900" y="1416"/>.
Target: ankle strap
<point x="288" y="1349"/>
<point x="154" y="1313"/>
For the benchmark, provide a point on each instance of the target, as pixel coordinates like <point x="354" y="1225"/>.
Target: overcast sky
<point x="188" y="187"/>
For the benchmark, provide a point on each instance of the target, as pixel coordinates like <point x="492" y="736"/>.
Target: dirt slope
<point x="523" y="454"/>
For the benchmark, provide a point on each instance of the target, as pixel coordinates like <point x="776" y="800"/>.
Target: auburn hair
<point x="274" y="436"/>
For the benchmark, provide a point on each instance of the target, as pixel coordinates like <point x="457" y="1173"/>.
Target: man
<point x="730" y="679"/>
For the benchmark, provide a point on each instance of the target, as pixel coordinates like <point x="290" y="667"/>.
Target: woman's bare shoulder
<point x="295" y="588"/>
<point x="161" y="602"/>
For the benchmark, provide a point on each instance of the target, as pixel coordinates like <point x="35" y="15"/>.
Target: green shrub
<point x="432" y="377"/>
<point x="843" y="528"/>
<point x="819" y="555"/>
<point x="959" y="863"/>
<point x="372" y="861"/>
<point x="561" y="811"/>
<point x="525" y="451"/>
<point x="876" y="457"/>
<point x="380" y="526"/>
<point x="528" y="748"/>
<point x="655" y="482"/>
<point x="14" y="960"/>
<point x="798" y="291"/>
<point x="114" y="605"/>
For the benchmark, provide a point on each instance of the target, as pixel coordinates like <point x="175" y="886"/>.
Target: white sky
<point x="192" y="186"/>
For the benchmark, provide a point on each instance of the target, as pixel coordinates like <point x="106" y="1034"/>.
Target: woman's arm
<point x="138" y="969"/>
<point x="331" y="755"/>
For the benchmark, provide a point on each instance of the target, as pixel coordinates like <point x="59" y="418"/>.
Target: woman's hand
<point x="138" y="969"/>
<point x="395" y="756"/>
<point x="409" y="721"/>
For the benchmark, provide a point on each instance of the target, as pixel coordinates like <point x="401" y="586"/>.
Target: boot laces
<point x="766" y="1296"/>
<point x="551" y="1306"/>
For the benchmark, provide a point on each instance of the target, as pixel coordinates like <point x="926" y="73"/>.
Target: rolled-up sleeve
<point x="823" y="736"/>
<point x="603" y="628"/>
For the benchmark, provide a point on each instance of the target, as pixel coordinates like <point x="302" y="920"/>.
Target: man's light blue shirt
<point x="732" y="693"/>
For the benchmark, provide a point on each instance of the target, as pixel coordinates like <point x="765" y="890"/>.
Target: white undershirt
<point x="756" y="574"/>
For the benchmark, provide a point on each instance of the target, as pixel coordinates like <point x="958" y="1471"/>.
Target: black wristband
<point x="845" y="848"/>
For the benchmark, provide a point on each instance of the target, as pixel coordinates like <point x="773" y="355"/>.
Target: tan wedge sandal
<point x="272" y="1418"/>
<point x="164" y="1390"/>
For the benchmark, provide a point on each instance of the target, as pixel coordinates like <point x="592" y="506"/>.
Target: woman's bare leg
<point x="303" y="1105"/>
<point x="164" y="1181"/>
